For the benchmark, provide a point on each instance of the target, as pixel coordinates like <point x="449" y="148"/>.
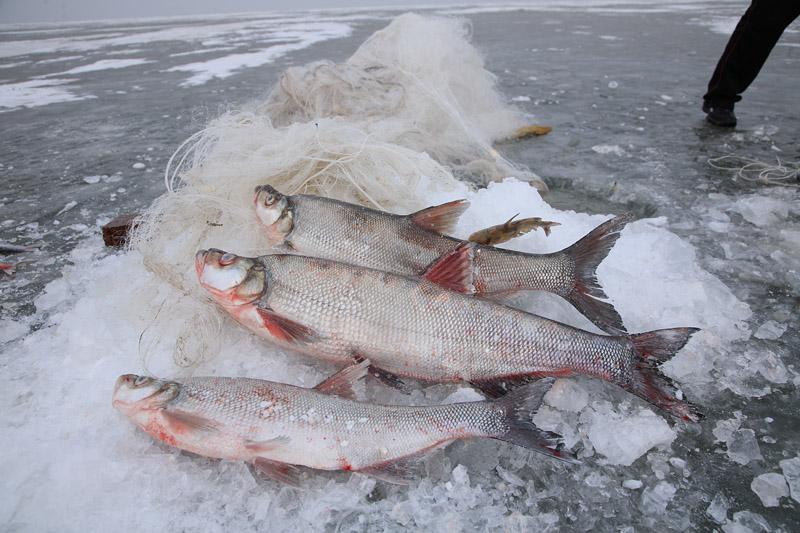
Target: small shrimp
<point x="511" y="229"/>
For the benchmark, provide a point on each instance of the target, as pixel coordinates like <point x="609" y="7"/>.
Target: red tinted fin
<point x="280" y="472"/>
<point x="587" y="295"/>
<point x="495" y="388"/>
<point x="455" y="270"/>
<point x="283" y="328"/>
<point x="519" y="406"/>
<point x="398" y="472"/>
<point x="342" y="382"/>
<point x="183" y="422"/>
<point x="440" y="218"/>
<point x="648" y="382"/>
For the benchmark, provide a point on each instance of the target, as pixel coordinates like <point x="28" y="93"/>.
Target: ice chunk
<point x="718" y="510"/>
<point x="770" y="488"/>
<point x="771" y="330"/>
<point x="609" y="149"/>
<point x="761" y="210"/>
<point x="769" y="365"/>
<point x="11" y="329"/>
<point x="725" y="428"/>
<point x="632" y="484"/>
<point x="791" y="471"/>
<point x="655" y="499"/>
<point x="743" y="447"/>
<point x="567" y="395"/>
<point x="623" y="439"/>
<point x="138" y="166"/>
<point x="747" y="522"/>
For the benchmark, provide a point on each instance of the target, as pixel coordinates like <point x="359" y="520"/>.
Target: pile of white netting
<point x="411" y="112"/>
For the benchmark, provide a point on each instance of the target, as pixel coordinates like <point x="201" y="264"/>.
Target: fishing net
<point x="412" y="109"/>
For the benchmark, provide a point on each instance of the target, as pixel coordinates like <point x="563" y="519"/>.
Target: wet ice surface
<point x="628" y="135"/>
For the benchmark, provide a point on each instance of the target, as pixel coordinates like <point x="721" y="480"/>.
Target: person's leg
<point x="748" y="48"/>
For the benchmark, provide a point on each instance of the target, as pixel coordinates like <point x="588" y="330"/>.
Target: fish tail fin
<point x="651" y="349"/>
<point x="518" y="406"/>
<point x="587" y="295"/>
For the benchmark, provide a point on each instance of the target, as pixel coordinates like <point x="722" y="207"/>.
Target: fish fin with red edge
<point x="284" y="329"/>
<point x="342" y="382"/>
<point x="281" y="472"/>
<point x="648" y="382"/>
<point x="455" y="270"/>
<point x="183" y="422"/>
<point x="440" y="218"/>
<point x="401" y="471"/>
<point x="586" y="294"/>
<point x="519" y="406"/>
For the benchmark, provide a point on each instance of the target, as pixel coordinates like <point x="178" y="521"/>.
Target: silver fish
<point x="277" y="426"/>
<point x="407" y="245"/>
<point x="412" y="327"/>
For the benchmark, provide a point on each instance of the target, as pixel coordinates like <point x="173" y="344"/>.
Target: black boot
<point x="719" y="116"/>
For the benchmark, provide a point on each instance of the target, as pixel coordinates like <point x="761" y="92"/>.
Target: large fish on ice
<point x="277" y="426"/>
<point x="321" y="227"/>
<point x="412" y="327"/>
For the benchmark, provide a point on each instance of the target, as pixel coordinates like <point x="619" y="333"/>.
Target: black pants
<point x="753" y="39"/>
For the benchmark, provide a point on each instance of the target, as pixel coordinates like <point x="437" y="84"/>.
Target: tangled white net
<point x="784" y="173"/>
<point x="391" y="125"/>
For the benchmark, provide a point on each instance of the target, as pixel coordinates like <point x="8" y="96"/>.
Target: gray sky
<point x="71" y="10"/>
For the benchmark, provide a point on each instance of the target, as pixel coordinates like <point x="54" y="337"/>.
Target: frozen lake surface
<point x="91" y="114"/>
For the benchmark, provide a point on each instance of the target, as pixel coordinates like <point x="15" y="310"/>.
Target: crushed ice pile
<point x="71" y="462"/>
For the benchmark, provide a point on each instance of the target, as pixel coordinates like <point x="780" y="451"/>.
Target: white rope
<point x="749" y="169"/>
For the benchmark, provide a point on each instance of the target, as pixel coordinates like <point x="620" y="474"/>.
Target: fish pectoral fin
<point x="495" y="388"/>
<point x="266" y="446"/>
<point x="183" y="422"/>
<point x="440" y="218"/>
<point x="285" y="329"/>
<point x="455" y="270"/>
<point x="281" y="472"/>
<point x="342" y="382"/>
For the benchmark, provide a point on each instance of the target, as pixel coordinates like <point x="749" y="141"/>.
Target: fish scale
<point x="415" y="328"/>
<point x="324" y="431"/>
<point x="411" y="326"/>
<point x="393" y="243"/>
<point x="409" y="245"/>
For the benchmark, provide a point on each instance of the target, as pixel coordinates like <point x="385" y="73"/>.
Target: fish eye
<point x="269" y="200"/>
<point x="227" y="259"/>
<point x="139" y="380"/>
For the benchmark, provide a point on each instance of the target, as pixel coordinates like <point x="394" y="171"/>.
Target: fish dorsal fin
<point x="284" y="329"/>
<point x="440" y="218"/>
<point x="183" y="422"/>
<point x="455" y="270"/>
<point x="280" y="472"/>
<point x="342" y="382"/>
